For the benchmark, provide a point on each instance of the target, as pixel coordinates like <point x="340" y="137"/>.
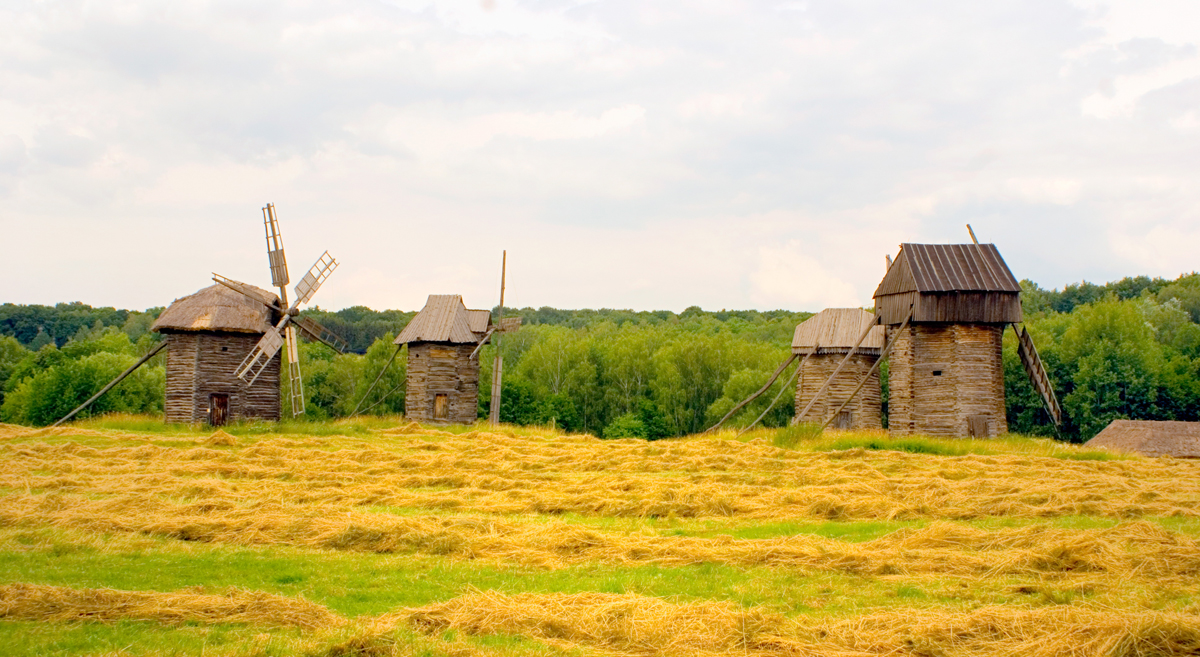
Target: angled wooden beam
<point x="376" y="382"/>
<point x="886" y="350"/>
<point x="751" y="398"/>
<point x="837" y="370"/>
<point x="786" y="386"/>
<point x="120" y="377"/>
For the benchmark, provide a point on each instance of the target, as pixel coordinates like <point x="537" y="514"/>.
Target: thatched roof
<point x="216" y="308"/>
<point x="836" y="330"/>
<point x="935" y="268"/>
<point x="1151" y="438"/>
<point x="446" y="319"/>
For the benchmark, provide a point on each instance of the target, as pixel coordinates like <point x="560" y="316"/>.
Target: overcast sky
<point x="631" y="154"/>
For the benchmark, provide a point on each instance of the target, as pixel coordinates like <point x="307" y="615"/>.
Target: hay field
<point x="381" y="537"/>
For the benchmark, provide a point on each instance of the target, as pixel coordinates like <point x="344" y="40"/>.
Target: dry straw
<point x="57" y="603"/>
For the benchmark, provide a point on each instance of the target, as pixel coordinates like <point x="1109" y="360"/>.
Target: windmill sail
<point x="258" y="358"/>
<point x="275" y="256"/>
<point x="312" y="281"/>
<point x="1037" y="373"/>
<point x="296" y="389"/>
<point x="313" y="329"/>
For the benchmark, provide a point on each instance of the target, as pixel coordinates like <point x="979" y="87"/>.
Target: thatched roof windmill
<point x="223" y="341"/>
<point x="284" y="332"/>
<point x="827" y="338"/>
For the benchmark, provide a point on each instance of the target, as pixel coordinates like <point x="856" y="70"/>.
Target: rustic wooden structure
<point x="1151" y="438"/>
<point x="443" y="368"/>
<point x="827" y="338"/>
<point x="946" y="375"/>
<point x="208" y="334"/>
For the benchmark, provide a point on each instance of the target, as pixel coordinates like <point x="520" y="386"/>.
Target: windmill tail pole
<point x="886" y="350"/>
<point x="376" y="382"/>
<point x="751" y="398"/>
<point x="786" y="386"/>
<point x="120" y="377"/>
<point x="836" y="371"/>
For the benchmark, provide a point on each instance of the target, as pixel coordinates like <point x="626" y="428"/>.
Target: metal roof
<point x="217" y="308"/>
<point x="948" y="268"/>
<point x="444" y="319"/>
<point x="838" y="329"/>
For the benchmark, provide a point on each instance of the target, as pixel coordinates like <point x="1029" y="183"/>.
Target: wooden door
<point x="977" y="426"/>
<point x="844" y="420"/>
<point x="441" y="407"/>
<point x="218" y="409"/>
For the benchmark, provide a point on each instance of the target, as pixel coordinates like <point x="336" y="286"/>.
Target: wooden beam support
<point x="376" y="382"/>
<point x="120" y="377"/>
<point x="751" y="398"/>
<point x="786" y="386"/>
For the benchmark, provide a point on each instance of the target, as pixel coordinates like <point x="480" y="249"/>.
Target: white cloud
<point x="787" y="277"/>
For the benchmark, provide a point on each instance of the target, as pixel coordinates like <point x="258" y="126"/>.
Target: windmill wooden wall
<point x="208" y="335"/>
<point x="946" y="373"/>
<point x="439" y="368"/>
<point x="443" y="379"/>
<point x="201" y="363"/>
<point x="833" y="332"/>
<point x="863" y="412"/>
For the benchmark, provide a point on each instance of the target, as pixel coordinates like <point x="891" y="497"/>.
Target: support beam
<point x="838" y="370"/>
<point x="376" y="382"/>
<point x="786" y="386"/>
<point x="120" y="377"/>
<point x="498" y="364"/>
<point x="887" y="349"/>
<point x="751" y="398"/>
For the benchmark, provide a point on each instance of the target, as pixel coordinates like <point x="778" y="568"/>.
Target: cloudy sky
<point x="630" y="154"/>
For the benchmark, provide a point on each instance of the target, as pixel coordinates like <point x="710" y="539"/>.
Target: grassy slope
<point x="363" y="583"/>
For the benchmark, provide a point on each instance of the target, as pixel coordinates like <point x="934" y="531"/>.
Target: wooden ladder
<point x="1037" y="373"/>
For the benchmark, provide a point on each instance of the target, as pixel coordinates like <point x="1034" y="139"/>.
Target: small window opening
<point x="224" y="348"/>
<point x="937" y="372"/>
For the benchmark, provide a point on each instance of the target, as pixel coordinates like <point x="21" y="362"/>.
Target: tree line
<point x="1126" y="349"/>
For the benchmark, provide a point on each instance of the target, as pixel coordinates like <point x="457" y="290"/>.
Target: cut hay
<point x="636" y="625"/>
<point x="1133" y="550"/>
<point x="219" y="437"/>
<point x="56" y="603"/>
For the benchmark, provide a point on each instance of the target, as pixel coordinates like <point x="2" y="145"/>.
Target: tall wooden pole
<point x="120" y="377"/>
<point x="498" y="364"/>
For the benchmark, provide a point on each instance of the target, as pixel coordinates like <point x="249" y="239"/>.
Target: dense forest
<point x="1126" y="349"/>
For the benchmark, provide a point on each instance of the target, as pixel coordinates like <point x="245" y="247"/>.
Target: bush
<point x="790" y="436"/>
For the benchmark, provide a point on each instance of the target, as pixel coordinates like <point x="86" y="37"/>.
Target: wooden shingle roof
<point x="217" y="308"/>
<point x="445" y="319"/>
<point x="933" y="268"/>
<point x="836" y="330"/>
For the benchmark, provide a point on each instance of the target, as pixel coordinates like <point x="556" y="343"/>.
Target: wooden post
<point x="498" y="364"/>
<point x="786" y="386"/>
<point x="120" y="377"/>
<point x="751" y="398"/>
<point x="886" y="350"/>
<point x="836" y="371"/>
<point x="376" y="382"/>
<point x="972" y="232"/>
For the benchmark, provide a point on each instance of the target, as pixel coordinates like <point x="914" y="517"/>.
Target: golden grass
<point x="56" y="603"/>
<point x="1131" y="550"/>
<point x="636" y="625"/>
<point x="499" y="474"/>
<point x="628" y="624"/>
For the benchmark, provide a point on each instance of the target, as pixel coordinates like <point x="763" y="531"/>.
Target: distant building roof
<point x="1151" y="438"/>
<point x="217" y="308"/>
<point x="446" y="319"/>
<point x="835" y="330"/>
<point x="931" y="268"/>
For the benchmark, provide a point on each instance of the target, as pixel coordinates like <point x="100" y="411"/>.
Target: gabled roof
<point x="445" y="319"/>
<point x="836" y="330"/>
<point x="932" y="268"/>
<point x="217" y="308"/>
<point x="1151" y="438"/>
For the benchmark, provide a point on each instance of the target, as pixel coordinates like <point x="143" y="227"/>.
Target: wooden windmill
<point x="945" y="308"/>
<point x="444" y="341"/>
<point x="222" y="341"/>
<point x="827" y="339"/>
<point x="284" y="332"/>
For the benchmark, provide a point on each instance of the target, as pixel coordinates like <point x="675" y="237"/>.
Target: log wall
<point x="442" y="368"/>
<point x="202" y="363"/>
<point x="864" y="408"/>
<point x="942" y="375"/>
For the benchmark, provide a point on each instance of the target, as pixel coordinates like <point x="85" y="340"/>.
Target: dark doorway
<point x="441" y="407"/>
<point x="218" y="409"/>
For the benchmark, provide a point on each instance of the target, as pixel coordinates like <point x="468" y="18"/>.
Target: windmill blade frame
<point x="313" y="329"/>
<point x="275" y="255"/>
<point x="248" y="291"/>
<point x="295" y="381"/>
<point x="257" y="360"/>
<point x="316" y="276"/>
